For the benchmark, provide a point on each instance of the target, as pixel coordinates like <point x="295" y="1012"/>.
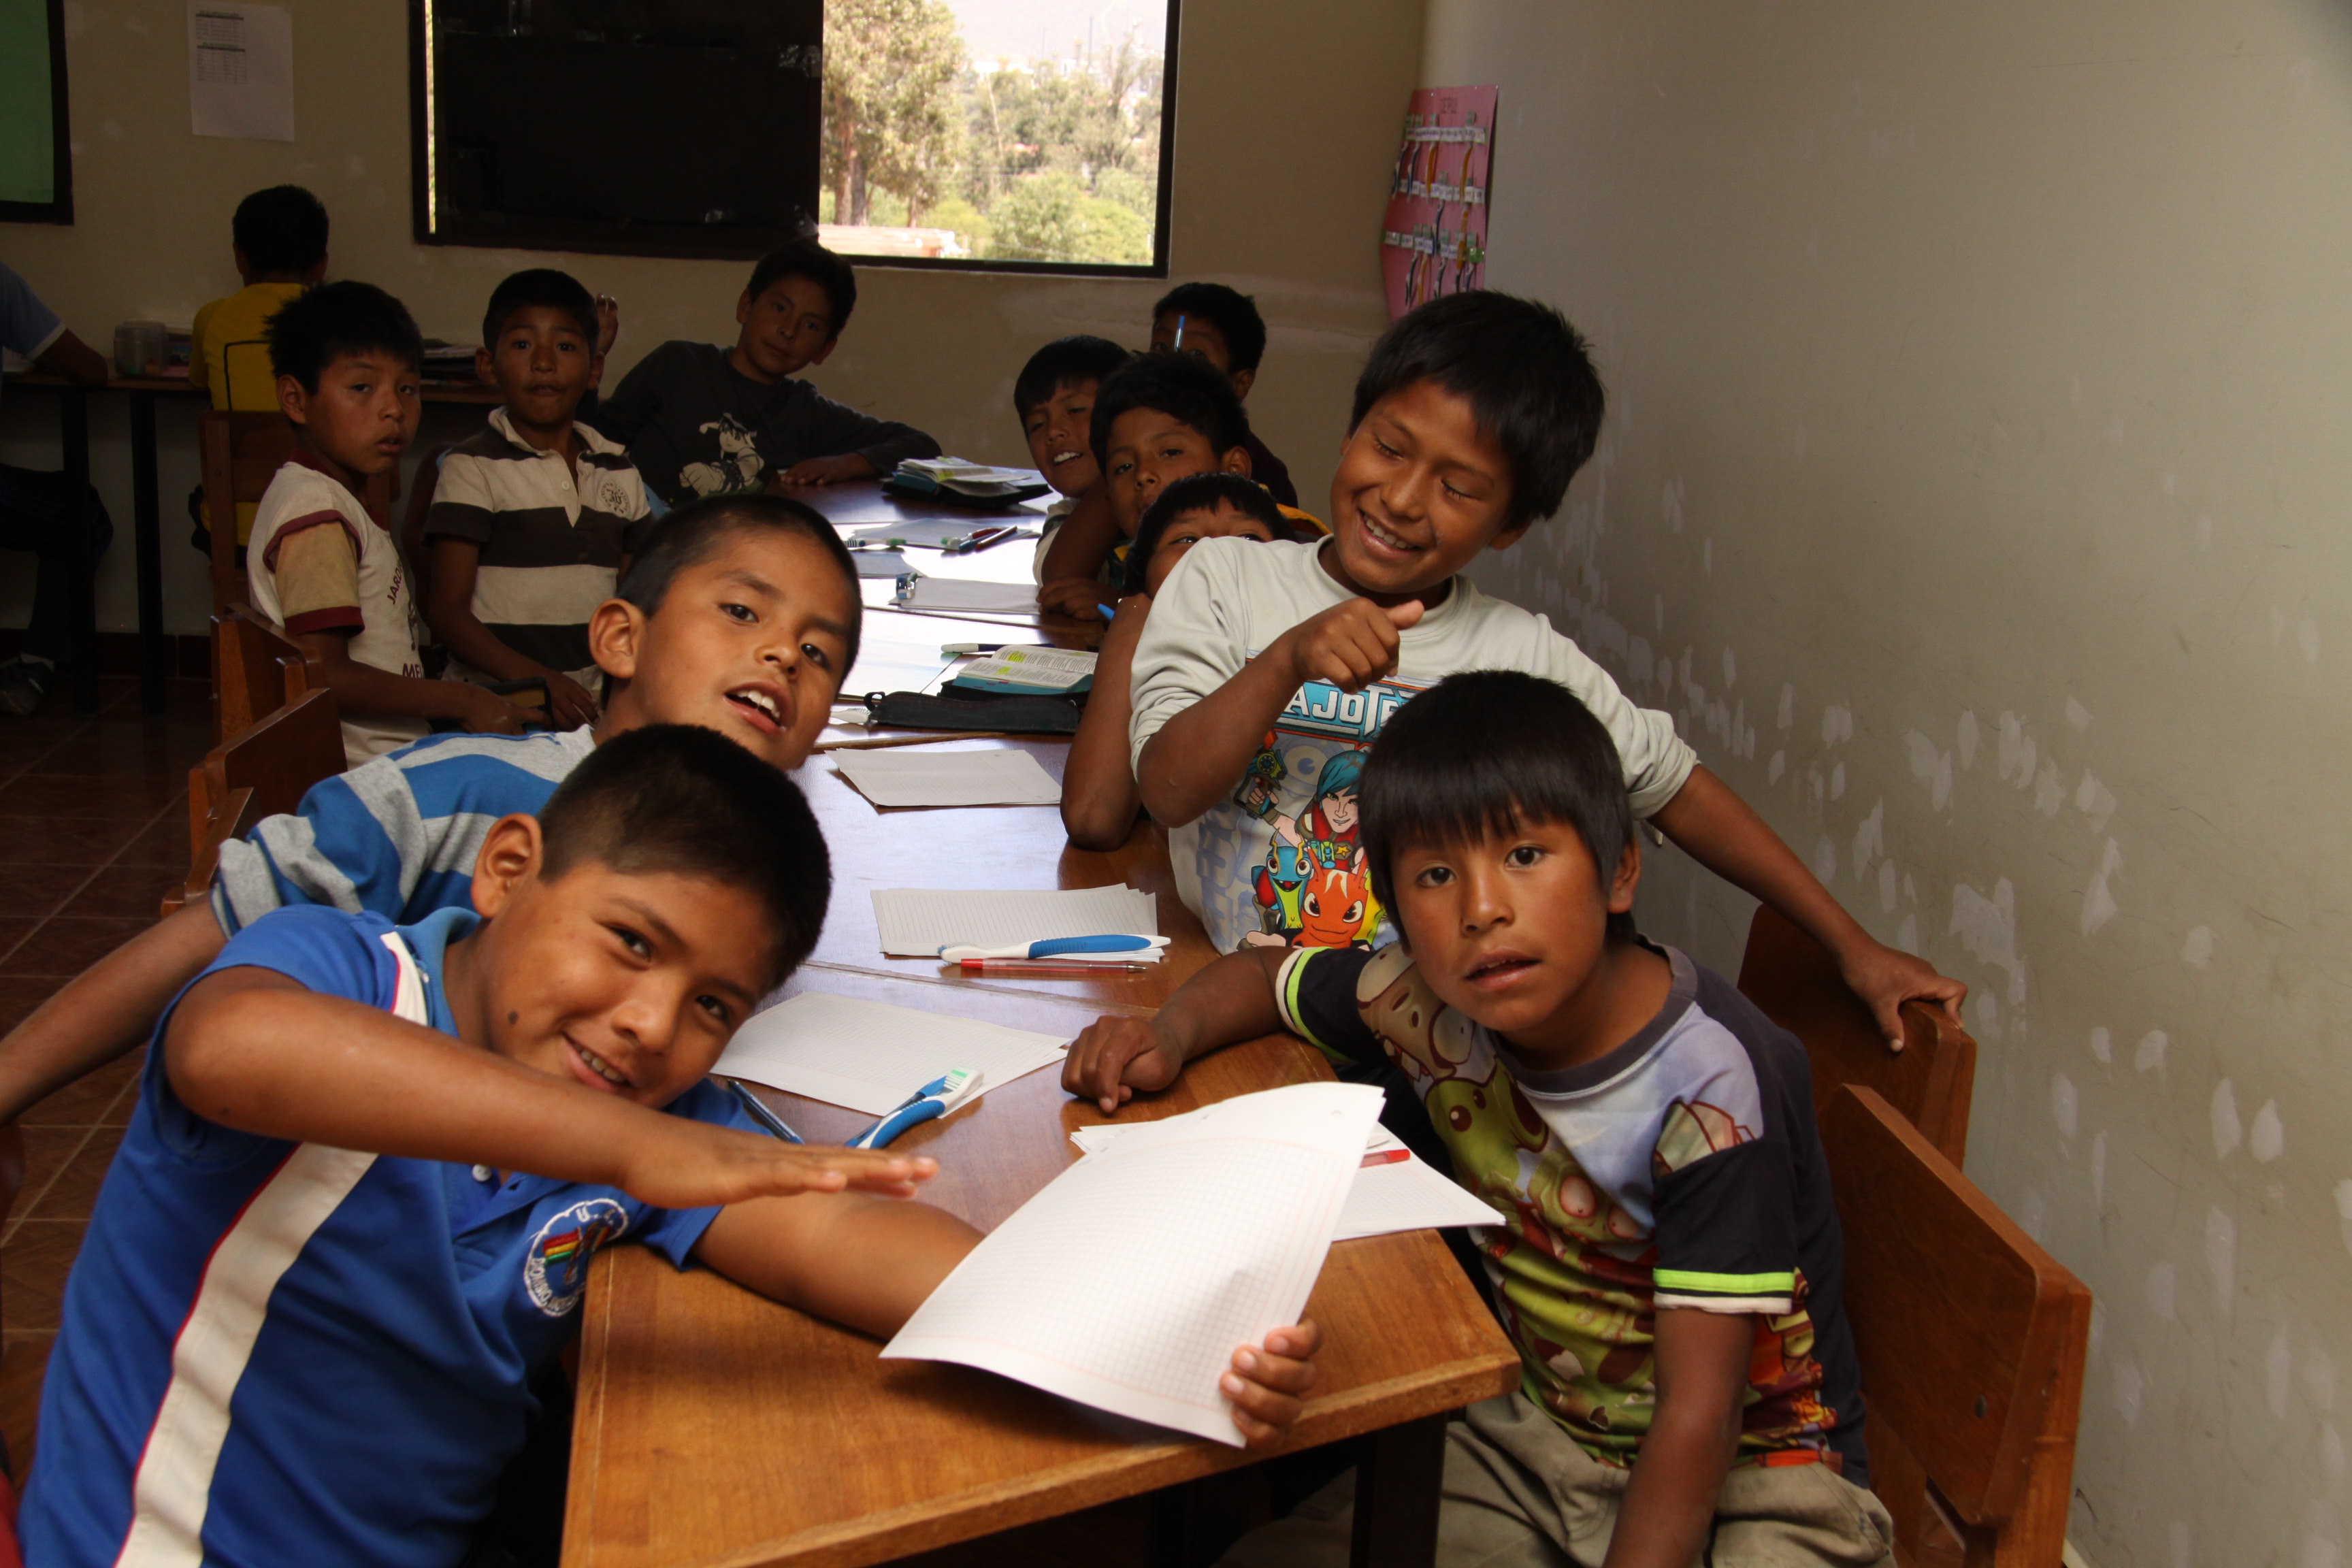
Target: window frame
<point x="59" y="207"/>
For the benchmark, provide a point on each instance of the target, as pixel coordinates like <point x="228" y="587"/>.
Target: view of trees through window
<point x="1008" y="130"/>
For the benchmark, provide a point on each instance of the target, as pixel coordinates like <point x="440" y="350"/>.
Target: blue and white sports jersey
<point x="279" y="1352"/>
<point x="397" y="834"/>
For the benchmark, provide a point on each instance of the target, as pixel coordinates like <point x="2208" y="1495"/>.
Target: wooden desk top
<point x="717" y="1428"/>
<point x="179" y="385"/>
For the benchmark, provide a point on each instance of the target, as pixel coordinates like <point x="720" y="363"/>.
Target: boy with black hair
<point x="346" y="357"/>
<point x="352" y="1215"/>
<point x="1266" y="669"/>
<point x="1221" y="326"/>
<point x="1054" y="397"/>
<point x="533" y="518"/>
<point x="742" y="616"/>
<point x="701" y="420"/>
<point x="1666" y="1255"/>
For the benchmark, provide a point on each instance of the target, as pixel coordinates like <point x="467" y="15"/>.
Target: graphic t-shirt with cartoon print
<point x="1683" y="1169"/>
<point x="695" y="428"/>
<point x="1277" y="863"/>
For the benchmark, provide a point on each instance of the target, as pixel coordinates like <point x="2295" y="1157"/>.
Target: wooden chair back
<point x="1796" y="982"/>
<point x="239" y="454"/>
<point x="262" y="772"/>
<point x="256" y="670"/>
<point x="1972" y="1341"/>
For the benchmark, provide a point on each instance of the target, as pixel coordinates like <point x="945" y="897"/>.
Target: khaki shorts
<point x="1519" y="1493"/>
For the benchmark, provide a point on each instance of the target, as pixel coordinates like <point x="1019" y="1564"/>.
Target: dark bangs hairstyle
<point x="688" y="536"/>
<point x="1064" y="361"/>
<point x="1487" y="753"/>
<point x="321" y="325"/>
<point x="1198" y="492"/>
<point x="1186" y="387"/>
<point x="1231" y="311"/>
<point x="807" y="259"/>
<point x="686" y="801"/>
<point x="1526" y="371"/>
<point x="280" y="229"/>
<point x="541" y="286"/>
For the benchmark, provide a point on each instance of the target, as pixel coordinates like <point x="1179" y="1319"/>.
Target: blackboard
<point x="36" y="152"/>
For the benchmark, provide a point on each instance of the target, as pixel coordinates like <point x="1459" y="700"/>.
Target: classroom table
<point x="702" y="1406"/>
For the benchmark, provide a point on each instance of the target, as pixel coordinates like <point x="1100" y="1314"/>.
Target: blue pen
<point x="1105" y="611"/>
<point x="761" y="1115"/>
<point x="934" y="1100"/>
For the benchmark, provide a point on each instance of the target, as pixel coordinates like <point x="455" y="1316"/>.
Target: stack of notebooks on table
<point x="962" y="483"/>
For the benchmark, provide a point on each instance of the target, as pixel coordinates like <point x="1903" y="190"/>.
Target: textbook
<point x="966" y="483"/>
<point x="1030" y="671"/>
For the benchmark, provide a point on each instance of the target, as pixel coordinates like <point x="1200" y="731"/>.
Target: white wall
<point x="1286" y="122"/>
<point x="1975" y="491"/>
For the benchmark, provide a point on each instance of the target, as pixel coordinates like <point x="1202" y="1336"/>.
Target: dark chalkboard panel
<point x="35" y="156"/>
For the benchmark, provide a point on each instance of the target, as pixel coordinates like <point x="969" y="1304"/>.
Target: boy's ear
<point x="485" y="367"/>
<point x="510" y="854"/>
<point x="1235" y="461"/>
<point x="316" y="275"/>
<point x="1511" y="534"/>
<point x="617" y="637"/>
<point x="1628" y="878"/>
<point x="292" y="401"/>
<point x="595" y="372"/>
<point x="743" y="308"/>
<point x="1243" y="381"/>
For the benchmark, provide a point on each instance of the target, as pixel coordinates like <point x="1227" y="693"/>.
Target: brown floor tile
<point x="48" y="1151"/>
<point x="75" y="1192"/>
<point x="165" y="844"/>
<point x="29" y="892"/>
<point x="65" y="945"/>
<point x="92" y="1100"/>
<point x="162" y="754"/>
<point x="125" y="795"/>
<point x="70" y="840"/>
<point x="124" y="891"/>
<point x="19" y="997"/>
<point x="11" y="933"/>
<point x="33" y="1269"/>
<point x="23" y="1359"/>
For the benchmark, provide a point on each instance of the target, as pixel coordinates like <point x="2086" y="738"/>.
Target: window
<point x="1030" y="136"/>
<point x="35" y="154"/>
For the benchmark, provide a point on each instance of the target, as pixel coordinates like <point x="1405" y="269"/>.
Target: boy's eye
<point x="1432" y="876"/>
<point x="1522" y="856"/>
<point x="636" y="944"/>
<point x="719" y="1012"/>
<point x="1384" y="449"/>
<point x="817" y="656"/>
<point x="743" y="613"/>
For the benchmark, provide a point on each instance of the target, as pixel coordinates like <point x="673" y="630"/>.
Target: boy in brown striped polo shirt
<point x="533" y="517"/>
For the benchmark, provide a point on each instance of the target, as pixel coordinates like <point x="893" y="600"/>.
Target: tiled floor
<point x="93" y="828"/>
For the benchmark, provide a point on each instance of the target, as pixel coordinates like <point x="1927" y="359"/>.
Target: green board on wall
<point x="34" y="167"/>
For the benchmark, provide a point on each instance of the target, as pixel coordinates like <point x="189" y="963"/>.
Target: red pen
<point x="1043" y="966"/>
<point x="1387" y="1157"/>
<point x="986" y="537"/>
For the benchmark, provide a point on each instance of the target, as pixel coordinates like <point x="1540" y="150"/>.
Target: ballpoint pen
<point x="950" y="650"/>
<point x="760" y="1113"/>
<point x="1045" y="966"/>
<point x="980" y="539"/>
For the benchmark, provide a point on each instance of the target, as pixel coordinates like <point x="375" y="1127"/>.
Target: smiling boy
<point x="701" y="420"/>
<point x="1221" y="326"/>
<point x="353" y="1213"/>
<point x="1054" y="397"/>
<point x="346" y="357"/>
<point x="1264" y="664"/>
<point x="1666" y="1255"/>
<point x="533" y="518"/>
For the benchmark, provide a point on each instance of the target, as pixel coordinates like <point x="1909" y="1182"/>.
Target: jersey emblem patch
<point x="555" y="1270"/>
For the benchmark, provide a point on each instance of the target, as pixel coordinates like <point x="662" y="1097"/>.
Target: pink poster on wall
<point x="1435" y="239"/>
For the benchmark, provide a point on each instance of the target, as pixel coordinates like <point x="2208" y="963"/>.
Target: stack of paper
<point x="917" y="922"/>
<point x="969" y="477"/>
<point x="1131" y="1279"/>
<point x="1030" y="669"/>
<point x="967" y="595"/>
<point x="869" y="1055"/>
<point x="907" y="776"/>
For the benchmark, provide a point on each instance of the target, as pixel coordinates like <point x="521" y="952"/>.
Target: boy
<point x="1263" y="667"/>
<point x="533" y="517"/>
<point x="1221" y="326"/>
<point x="278" y="240"/>
<point x="1666" y="1255"/>
<point x="741" y="617"/>
<point x="352" y="1215"/>
<point x="1054" y="396"/>
<point x="346" y="356"/>
<point x="41" y="512"/>
<point x="701" y="420"/>
<point x="1099" y="798"/>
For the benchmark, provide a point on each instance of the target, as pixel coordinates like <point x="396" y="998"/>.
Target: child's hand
<point x="1886" y="977"/>
<point x="569" y="704"/>
<point x="1113" y="1058"/>
<point x="826" y="470"/>
<point x="484" y="712"/>
<point x="608" y="323"/>
<point x="1268" y="1384"/>
<point x="1351" y="644"/>
<point x="1074" y="597"/>
<point x="682" y="1164"/>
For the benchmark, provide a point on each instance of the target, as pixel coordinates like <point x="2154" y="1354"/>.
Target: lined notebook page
<point x="912" y="776"/>
<point x="1131" y="1279"/>
<point x="869" y="1055"/>
<point x="972" y="596"/>
<point x="916" y="923"/>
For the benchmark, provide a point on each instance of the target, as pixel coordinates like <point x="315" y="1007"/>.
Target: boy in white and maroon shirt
<point x="346" y="356"/>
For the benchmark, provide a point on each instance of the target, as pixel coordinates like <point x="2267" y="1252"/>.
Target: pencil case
<point x="1007" y="715"/>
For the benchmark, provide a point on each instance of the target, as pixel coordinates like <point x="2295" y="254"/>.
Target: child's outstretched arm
<point x="1702" y="1379"/>
<point x="252" y="1049"/>
<point x="1099" y="795"/>
<point x="1075" y="560"/>
<point x="1230" y="1000"/>
<point x="107" y="1011"/>
<point x="1721" y="832"/>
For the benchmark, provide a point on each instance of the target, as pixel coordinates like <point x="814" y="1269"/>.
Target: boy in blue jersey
<point x="742" y="616"/>
<point x="1665" y="1253"/>
<point x="354" y="1209"/>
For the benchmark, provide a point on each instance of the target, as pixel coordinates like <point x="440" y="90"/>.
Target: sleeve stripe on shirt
<point x="1286" y="997"/>
<point x="1768" y="1306"/>
<point x="1686" y="1282"/>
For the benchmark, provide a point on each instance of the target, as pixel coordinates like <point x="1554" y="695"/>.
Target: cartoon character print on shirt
<point x="555" y="1269"/>
<point x="739" y="464"/>
<point x="1315" y="890"/>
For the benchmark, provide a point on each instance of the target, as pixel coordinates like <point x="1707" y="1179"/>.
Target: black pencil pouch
<point x="976" y="710"/>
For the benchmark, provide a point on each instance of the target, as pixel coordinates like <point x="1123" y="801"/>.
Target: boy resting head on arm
<point x="1054" y="397"/>
<point x="1666" y="1255"/>
<point x="353" y="1214"/>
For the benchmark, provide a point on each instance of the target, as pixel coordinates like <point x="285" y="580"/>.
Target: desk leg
<point x="1397" y="1487"/>
<point x="152" y="658"/>
<point x="73" y="432"/>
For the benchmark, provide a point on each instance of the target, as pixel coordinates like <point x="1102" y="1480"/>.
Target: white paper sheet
<point x="1131" y="1279"/>
<point x="906" y="776"/>
<point x="917" y="922"/>
<point x="970" y="595"/>
<point x="870" y="1055"/>
<point x="241" y="70"/>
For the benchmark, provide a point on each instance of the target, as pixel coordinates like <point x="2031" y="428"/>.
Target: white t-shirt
<point x="1057" y="514"/>
<point x="1277" y="862"/>
<point x="305" y="589"/>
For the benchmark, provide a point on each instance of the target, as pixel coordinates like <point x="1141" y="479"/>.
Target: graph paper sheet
<point x="916" y="922"/>
<point x="1129" y="1280"/>
<point x="870" y="1055"/>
